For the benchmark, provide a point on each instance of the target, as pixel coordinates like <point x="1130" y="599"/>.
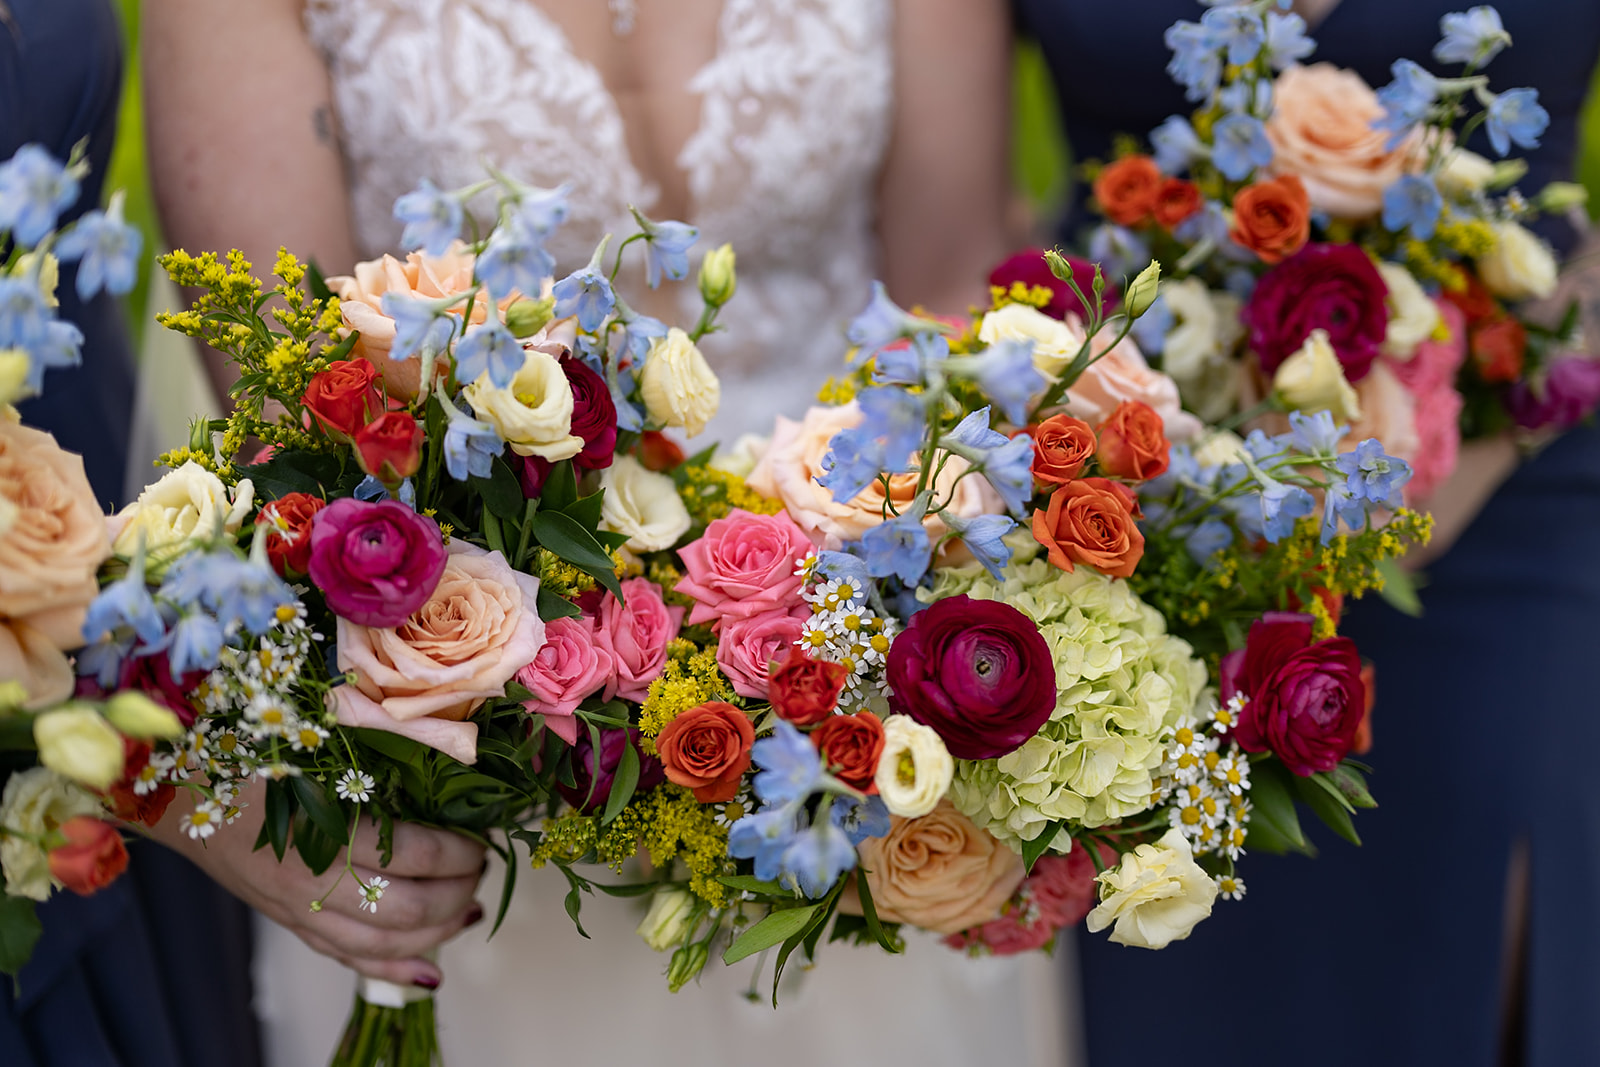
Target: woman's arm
<point x="942" y="198"/>
<point x="241" y="138"/>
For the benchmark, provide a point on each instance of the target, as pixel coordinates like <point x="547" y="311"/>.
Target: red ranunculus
<point x="1304" y="699"/>
<point x="390" y="447"/>
<point x="1322" y="287"/>
<point x="594" y="415"/>
<point x="92" y="857"/>
<point x="1029" y="268"/>
<point x="850" y="746"/>
<point x="658" y="452"/>
<point x="977" y="672"/>
<point x="125" y="801"/>
<point x="344" y="397"/>
<point x="288" y="523"/>
<point x="803" y="690"/>
<point x="152" y="676"/>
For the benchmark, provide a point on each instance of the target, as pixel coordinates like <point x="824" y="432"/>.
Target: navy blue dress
<point x="153" y="970"/>
<point x="1488" y="717"/>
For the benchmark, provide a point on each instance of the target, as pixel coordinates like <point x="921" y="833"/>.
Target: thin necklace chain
<point x="623" y="14"/>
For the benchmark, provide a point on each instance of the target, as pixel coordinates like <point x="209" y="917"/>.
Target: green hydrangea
<point x="1123" y="686"/>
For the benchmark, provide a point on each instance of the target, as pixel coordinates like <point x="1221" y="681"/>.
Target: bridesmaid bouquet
<point x="1328" y="247"/>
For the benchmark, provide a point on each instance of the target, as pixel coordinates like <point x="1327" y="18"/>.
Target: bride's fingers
<point x="406" y="903"/>
<point x="419" y="853"/>
<point x="424" y="974"/>
<point x="359" y="939"/>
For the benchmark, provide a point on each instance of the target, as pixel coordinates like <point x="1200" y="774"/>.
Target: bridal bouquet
<point x="1328" y="247"/>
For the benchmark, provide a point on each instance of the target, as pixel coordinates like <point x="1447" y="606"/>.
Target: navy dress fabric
<point x="154" y="970"/>
<point x="1487" y="718"/>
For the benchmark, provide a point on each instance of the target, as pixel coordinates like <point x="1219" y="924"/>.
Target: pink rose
<point x="1120" y="375"/>
<point x="747" y="647"/>
<point x="569" y="667"/>
<point x="635" y="635"/>
<point x="743" y="565"/>
<point x="788" y="469"/>
<point x="423" y="678"/>
<point x="1430" y="377"/>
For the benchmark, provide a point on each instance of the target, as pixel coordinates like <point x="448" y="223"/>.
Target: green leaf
<point x="560" y="487"/>
<point x="1272" y="798"/>
<point x="632" y="889"/>
<point x="562" y="535"/>
<point x="279" y="813"/>
<point x="552" y="607"/>
<point x="775" y="929"/>
<point x="295" y="472"/>
<point x="325" y="813"/>
<point x="507" y="887"/>
<point x="1352" y="784"/>
<point x="1329" y="806"/>
<point x="1326" y="784"/>
<point x="315" y="283"/>
<point x="746" y="883"/>
<point x="890" y="940"/>
<point x="316" y="848"/>
<point x="622" y="785"/>
<point x="19" y="932"/>
<point x="1398" y="589"/>
<point x="501" y="492"/>
<point x="1032" y="850"/>
<point x="573" y="901"/>
<point x="398" y="748"/>
<point x="586" y="512"/>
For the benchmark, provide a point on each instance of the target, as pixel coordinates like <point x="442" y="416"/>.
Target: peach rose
<point x="939" y="871"/>
<point x="31" y="658"/>
<point x="1272" y="218"/>
<point x="428" y="277"/>
<point x="1122" y="374"/>
<point x="788" y="470"/>
<point x="52" y="539"/>
<point x="424" y="677"/>
<point x="1321" y="131"/>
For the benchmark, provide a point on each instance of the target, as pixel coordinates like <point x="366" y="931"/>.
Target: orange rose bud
<point x="1272" y="218"/>
<point x="850" y="746"/>
<point x="1061" y="446"/>
<point x="92" y="858"/>
<point x="1133" y="442"/>
<point x="288" y="520"/>
<point x="707" y="749"/>
<point x="390" y="447"/>
<point x="125" y="801"/>
<point x="1127" y="189"/>
<point x="803" y="690"/>
<point x="1091" y="521"/>
<point x="1176" y="200"/>
<point x="1498" y="348"/>
<point x="658" y="452"/>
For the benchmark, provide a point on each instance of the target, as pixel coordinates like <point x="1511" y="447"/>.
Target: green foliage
<point x="19" y="932"/>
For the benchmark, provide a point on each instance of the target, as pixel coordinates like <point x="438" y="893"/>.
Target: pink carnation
<point x="747" y="647"/>
<point x="1058" y="893"/>
<point x="634" y="634"/>
<point x="569" y="667"/>
<point x="1430" y="377"/>
<point x="743" y="565"/>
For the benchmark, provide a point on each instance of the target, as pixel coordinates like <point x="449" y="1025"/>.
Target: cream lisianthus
<point x="35" y="804"/>
<point x="668" y="918"/>
<point x="1219" y="448"/>
<point x="1413" y="316"/>
<point x="1312" y="380"/>
<point x="76" y="741"/>
<point x="1155" y="896"/>
<point x="1521" y="267"/>
<point x="534" y="413"/>
<point x="14" y="366"/>
<point x="187" y="508"/>
<point x="642" y="504"/>
<point x="1054" y="342"/>
<point x="677" y="384"/>
<point x="740" y="458"/>
<point x="915" y="768"/>
<point x="1464" y="173"/>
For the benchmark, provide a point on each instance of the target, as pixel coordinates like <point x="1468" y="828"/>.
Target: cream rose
<point x="1413" y="316"/>
<point x="34" y="661"/>
<point x="1312" y="380"/>
<point x="788" y="471"/>
<point x="1521" y="267"/>
<point x="534" y="413"/>
<point x="52" y="540"/>
<point x="677" y="384"/>
<point x="1156" y="895"/>
<point x="422" y="678"/>
<point x="1054" y="342"/>
<point x="35" y="803"/>
<point x="643" y="504"/>
<point x="939" y="871"/>
<point x="1198" y="352"/>
<point x="914" y="769"/>
<point x="1321" y="131"/>
<point x="1122" y="374"/>
<point x="76" y="741"/>
<point x="740" y="458"/>
<point x="188" y="507"/>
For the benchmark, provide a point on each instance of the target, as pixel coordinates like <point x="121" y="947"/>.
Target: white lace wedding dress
<point x="794" y="123"/>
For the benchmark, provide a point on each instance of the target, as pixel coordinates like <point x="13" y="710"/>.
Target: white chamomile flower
<point x="356" y="786"/>
<point x="1231" y="887"/>
<point x="277" y="771"/>
<point x="307" y="737"/>
<point x="203" y="821"/>
<point x="154" y="773"/>
<point x="372" y="892"/>
<point x="1226" y="717"/>
<point x="270" y="715"/>
<point x="1232" y="772"/>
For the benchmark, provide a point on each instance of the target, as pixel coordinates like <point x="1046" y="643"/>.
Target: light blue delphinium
<point x="1175" y="145"/>
<point x="1406" y="100"/>
<point x="1005" y="373"/>
<point x="1239" y="30"/>
<point x="34" y="190"/>
<point x="816" y="858"/>
<point x="61" y="346"/>
<point x="912" y="363"/>
<point x="1516" y="117"/>
<point x="107" y="250"/>
<point x="125" y="602"/>
<point x="895" y="417"/>
<point x="1251" y="98"/>
<point x="420" y="326"/>
<point x="1210" y="223"/>
<point x="790" y="767"/>
<point x="1282" y="506"/>
<point x="236" y="591"/>
<point x="1287" y="42"/>
<point x="514" y="262"/>
<point x="764" y="836"/>
<point x="973" y="435"/>
<point x="586" y="293"/>
<point x="433" y="218"/>
<point x="853" y="462"/>
<point x="540" y="212"/>
<point x="1150" y="329"/>
<point x="1241" y="145"/>
<point x="1339" y="503"/>
<point x="194" y="644"/>
<point x="1207" y="539"/>
<point x="1196" y="62"/>
<point x="470" y="445"/>
<point x="1373" y="475"/>
<point x="1315" y="434"/>
<point x="1009" y="470"/>
<point x="983" y="535"/>
<point x="1475" y="36"/>
<point x="883" y="322"/>
<point x="899" y="546"/>
<point x="860" y="818"/>
<point x="24" y="316"/>
<point x="1412" y="203"/>
<point x="1118" y="250"/>
<point x="639" y="332"/>
<point x="489" y="348"/>
<point x="667" y="247"/>
<point x="843" y="567"/>
<point x="103" y="660"/>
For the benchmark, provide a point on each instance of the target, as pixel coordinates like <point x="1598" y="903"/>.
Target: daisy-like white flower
<point x="277" y="771"/>
<point x="1232" y="772"/>
<point x="372" y="892"/>
<point x="354" y="785"/>
<point x="203" y="821"/>
<point x="307" y="736"/>
<point x="1231" y="887"/>
<point x="153" y="773"/>
<point x="1226" y="716"/>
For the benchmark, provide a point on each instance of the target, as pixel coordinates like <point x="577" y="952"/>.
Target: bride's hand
<point x="429" y="899"/>
<point x="1481" y="467"/>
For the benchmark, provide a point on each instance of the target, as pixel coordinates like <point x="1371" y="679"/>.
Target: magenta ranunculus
<point x="977" y="672"/>
<point x="1569" y="392"/>
<point x="376" y="563"/>
<point x="1029" y="268"/>
<point x="1321" y="287"/>
<point x="744" y="564"/>
<point x="1304" y="699"/>
<point x="585" y="772"/>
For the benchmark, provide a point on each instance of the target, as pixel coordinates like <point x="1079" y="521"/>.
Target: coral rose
<point x="1132" y="444"/>
<point x="1176" y="200"/>
<point x="424" y="677"/>
<point x="804" y="691"/>
<point x="744" y="564"/>
<point x="634" y="632"/>
<point x="707" y="749"/>
<point x="1091" y="521"/>
<point x="92" y="857"/>
<point x="390" y="447"/>
<point x="748" y="645"/>
<point x="850" y="746"/>
<point x="345" y="397"/>
<point x="1321" y="131"/>
<point x="288" y="523"/>
<point x="1272" y="218"/>
<point x="1127" y="189"/>
<point x="570" y="666"/>
<point x="1061" y="447"/>
<point x="939" y="871"/>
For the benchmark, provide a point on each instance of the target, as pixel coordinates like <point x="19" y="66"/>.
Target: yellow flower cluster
<point x="838" y="391"/>
<point x="1472" y="238"/>
<point x="689" y="679"/>
<point x="559" y="577"/>
<point x="667" y="576"/>
<point x="567" y="838"/>
<point x="671" y="824"/>
<point x="1034" y="296"/>
<point x="709" y="494"/>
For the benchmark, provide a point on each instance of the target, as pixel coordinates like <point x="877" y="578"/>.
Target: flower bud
<point x="49" y="274"/>
<point x="136" y="715"/>
<point x="13" y="694"/>
<point x="1507" y="172"/>
<point x="1465" y="173"/>
<point x="527" y="317"/>
<point x="667" y="921"/>
<point x="1058" y="264"/>
<point x="1521" y="266"/>
<point x="1142" y="293"/>
<point x="390" y="447"/>
<point x="686" y="964"/>
<point x="1561" y="197"/>
<point x="13" y="375"/>
<point x="718" y="279"/>
<point x="76" y="741"/>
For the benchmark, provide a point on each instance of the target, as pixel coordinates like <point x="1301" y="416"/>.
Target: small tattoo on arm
<point x="322" y="125"/>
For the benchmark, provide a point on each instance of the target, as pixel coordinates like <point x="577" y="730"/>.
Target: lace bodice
<point x="794" y="121"/>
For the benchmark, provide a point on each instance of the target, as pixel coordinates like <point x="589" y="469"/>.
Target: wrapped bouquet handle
<point x="390" y="1026"/>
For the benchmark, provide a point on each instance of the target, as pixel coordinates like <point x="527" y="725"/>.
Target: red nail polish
<point x="474" y="917"/>
<point x="425" y="981"/>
